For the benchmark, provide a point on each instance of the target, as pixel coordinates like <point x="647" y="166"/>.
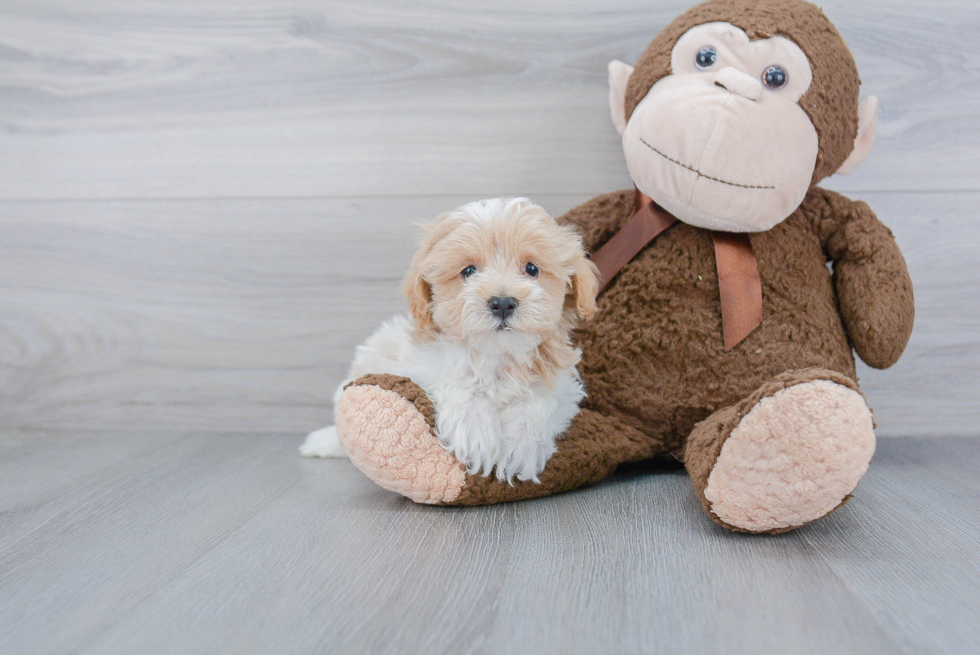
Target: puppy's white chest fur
<point x="492" y="411"/>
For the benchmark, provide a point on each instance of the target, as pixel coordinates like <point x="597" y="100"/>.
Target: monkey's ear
<point x="867" y="130"/>
<point x="619" y="75"/>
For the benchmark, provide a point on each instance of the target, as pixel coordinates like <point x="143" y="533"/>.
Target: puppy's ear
<point x="419" y="294"/>
<point x="585" y="286"/>
<point x="417" y="290"/>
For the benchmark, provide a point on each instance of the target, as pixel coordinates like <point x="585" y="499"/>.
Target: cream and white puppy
<point x="494" y="292"/>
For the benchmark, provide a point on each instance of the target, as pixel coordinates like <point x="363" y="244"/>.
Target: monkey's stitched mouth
<point x="700" y="174"/>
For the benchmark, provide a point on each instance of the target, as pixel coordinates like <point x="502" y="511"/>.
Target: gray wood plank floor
<point x="229" y="543"/>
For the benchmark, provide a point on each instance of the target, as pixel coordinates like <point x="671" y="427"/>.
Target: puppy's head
<point x="500" y="276"/>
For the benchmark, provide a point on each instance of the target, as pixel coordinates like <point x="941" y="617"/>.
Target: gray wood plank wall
<point x="205" y="206"/>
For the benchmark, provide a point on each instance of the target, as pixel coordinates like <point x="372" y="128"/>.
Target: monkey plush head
<point x="737" y="108"/>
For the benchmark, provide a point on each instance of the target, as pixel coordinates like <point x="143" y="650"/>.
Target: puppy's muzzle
<point x="502" y="306"/>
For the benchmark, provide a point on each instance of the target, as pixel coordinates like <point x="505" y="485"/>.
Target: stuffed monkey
<point x="721" y="337"/>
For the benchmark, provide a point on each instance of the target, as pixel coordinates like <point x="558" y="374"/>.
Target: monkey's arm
<point x="872" y="281"/>
<point x="598" y="219"/>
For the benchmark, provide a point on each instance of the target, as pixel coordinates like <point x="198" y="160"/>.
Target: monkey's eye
<point x="706" y="58"/>
<point x="775" y="77"/>
<point x="468" y="271"/>
<point x="531" y="270"/>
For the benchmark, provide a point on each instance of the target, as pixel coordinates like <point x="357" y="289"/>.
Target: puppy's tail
<point x="322" y="443"/>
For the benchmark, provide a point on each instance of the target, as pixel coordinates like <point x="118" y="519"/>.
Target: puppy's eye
<point x="775" y="77"/>
<point x="706" y="58"/>
<point x="468" y="271"/>
<point x="531" y="270"/>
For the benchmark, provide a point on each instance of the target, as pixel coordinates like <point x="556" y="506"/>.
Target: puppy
<point x="494" y="292"/>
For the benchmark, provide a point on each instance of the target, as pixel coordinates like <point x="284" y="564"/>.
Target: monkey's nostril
<point x="502" y="306"/>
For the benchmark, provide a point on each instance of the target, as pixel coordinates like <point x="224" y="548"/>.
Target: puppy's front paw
<point x="471" y="434"/>
<point x="524" y="460"/>
<point x="528" y="442"/>
<point x="322" y="443"/>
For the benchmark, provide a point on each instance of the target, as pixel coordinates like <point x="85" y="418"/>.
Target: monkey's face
<point x="722" y="143"/>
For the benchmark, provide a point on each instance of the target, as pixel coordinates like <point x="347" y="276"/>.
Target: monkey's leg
<point x="385" y="425"/>
<point x="789" y="454"/>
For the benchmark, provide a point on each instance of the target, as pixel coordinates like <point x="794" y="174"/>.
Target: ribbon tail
<point x="739" y="285"/>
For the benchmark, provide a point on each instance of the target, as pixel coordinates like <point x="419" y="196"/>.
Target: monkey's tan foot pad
<point x="793" y="458"/>
<point x="385" y="425"/>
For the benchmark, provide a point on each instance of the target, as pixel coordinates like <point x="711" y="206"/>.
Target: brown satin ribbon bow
<point x="738" y="272"/>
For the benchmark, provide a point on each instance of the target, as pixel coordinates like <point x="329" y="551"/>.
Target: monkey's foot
<point x="385" y="424"/>
<point x="790" y="454"/>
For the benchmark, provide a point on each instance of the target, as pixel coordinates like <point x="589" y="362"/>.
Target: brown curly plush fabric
<point x="831" y="103"/>
<point x="654" y="356"/>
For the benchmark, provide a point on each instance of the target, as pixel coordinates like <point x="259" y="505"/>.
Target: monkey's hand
<point x="872" y="281"/>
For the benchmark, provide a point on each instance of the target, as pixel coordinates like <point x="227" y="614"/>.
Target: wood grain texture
<point x="243" y="314"/>
<point x="231" y="543"/>
<point x="162" y="99"/>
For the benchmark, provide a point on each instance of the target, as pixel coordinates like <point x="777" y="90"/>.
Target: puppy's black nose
<point x="502" y="306"/>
